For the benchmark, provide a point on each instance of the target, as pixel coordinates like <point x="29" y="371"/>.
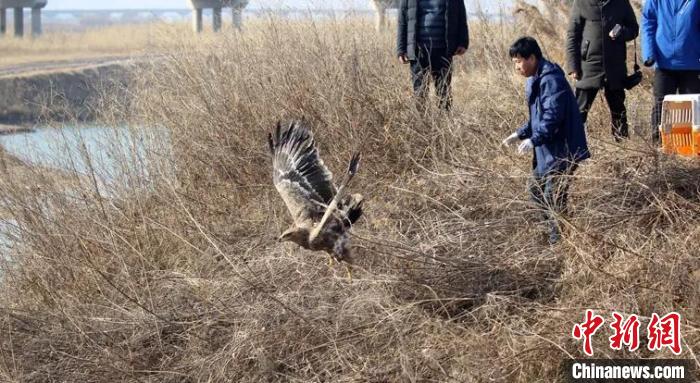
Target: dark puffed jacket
<point x="590" y="50"/>
<point x="456" y="29"/>
<point x="431" y="23"/>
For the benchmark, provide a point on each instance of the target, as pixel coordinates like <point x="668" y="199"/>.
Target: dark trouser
<point x="616" y="102"/>
<point x="432" y="63"/>
<point x="671" y="82"/>
<point x="551" y="193"/>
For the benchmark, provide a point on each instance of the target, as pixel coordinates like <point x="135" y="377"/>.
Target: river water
<point x="76" y="148"/>
<point x="111" y="154"/>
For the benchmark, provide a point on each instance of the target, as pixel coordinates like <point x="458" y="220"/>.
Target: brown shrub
<point x="171" y="272"/>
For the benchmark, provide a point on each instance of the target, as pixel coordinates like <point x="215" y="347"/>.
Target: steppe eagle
<point x="322" y="214"/>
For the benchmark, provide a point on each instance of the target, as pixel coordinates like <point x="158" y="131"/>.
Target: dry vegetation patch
<point x="178" y="277"/>
<point x="67" y="46"/>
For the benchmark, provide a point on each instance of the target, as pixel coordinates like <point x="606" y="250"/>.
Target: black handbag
<point x="635" y="78"/>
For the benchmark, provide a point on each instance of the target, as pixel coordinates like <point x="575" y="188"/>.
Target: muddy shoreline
<point x="15" y="129"/>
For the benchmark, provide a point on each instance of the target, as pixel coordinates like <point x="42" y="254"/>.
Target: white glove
<point x="510" y="139"/>
<point x="525" y="146"/>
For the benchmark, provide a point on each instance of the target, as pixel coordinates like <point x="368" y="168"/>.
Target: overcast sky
<point x="489" y="5"/>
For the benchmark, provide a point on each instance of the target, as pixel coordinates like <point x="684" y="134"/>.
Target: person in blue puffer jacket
<point x="671" y="41"/>
<point x="554" y="132"/>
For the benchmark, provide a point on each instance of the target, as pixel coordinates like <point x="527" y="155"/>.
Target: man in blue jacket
<point x="555" y="130"/>
<point x="671" y="40"/>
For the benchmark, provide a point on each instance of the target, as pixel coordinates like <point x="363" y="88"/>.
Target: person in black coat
<point x="430" y="33"/>
<point x="597" y="55"/>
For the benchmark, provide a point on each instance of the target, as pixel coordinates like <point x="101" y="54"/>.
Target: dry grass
<point x="95" y="43"/>
<point x="178" y="278"/>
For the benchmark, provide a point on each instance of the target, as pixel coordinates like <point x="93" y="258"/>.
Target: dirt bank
<point x="59" y="92"/>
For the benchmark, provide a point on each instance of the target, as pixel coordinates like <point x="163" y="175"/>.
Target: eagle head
<point x="298" y="235"/>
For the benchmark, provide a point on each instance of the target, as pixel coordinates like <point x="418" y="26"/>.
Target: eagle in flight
<point x="322" y="214"/>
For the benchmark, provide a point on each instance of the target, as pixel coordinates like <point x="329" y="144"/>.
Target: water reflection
<point x="84" y="149"/>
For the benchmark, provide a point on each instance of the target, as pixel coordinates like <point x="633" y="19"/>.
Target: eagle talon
<point x="349" y="271"/>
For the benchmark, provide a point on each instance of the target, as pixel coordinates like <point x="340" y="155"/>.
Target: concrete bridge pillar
<point x="381" y="6"/>
<point x="216" y="6"/>
<point x="237" y="17"/>
<point x="19" y="21"/>
<point x="237" y="7"/>
<point x="18" y="7"/>
<point x="36" y="22"/>
<point x="197" y="19"/>
<point x="381" y="20"/>
<point x="216" y="16"/>
<point x="3" y="21"/>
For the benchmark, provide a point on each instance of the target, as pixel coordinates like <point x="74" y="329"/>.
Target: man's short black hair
<point x="525" y="47"/>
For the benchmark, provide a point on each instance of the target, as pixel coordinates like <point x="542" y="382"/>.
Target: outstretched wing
<point x="299" y="174"/>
